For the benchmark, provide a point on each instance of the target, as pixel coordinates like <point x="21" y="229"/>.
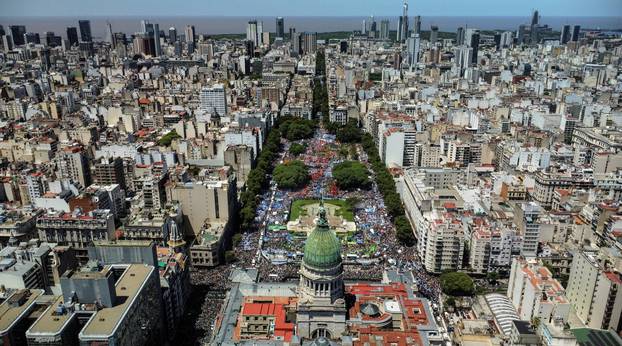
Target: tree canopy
<point x="168" y="138"/>
<point x="351" y="175"/>
<point x="297" y="149"/>
<point x="457" y="284"/>
<point x="291" y="175"/>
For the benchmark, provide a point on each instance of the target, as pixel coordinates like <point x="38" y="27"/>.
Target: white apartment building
<point x="535" y="293"/>
<point x="595" y="291"/>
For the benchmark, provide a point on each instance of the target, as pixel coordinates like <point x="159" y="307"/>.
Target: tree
<point x="297" y="149"/>
<point x="350" y="175"/>
<point x="237" y="238"/>
<point x="457" y="284"/>
<point x="230" y="256"/>
<point x="299" y="130"/>
<point x="291" y="175"/>
<point x="168" y="138"/>
<point x="349" y="133"/>
<point x="403" y="231"/>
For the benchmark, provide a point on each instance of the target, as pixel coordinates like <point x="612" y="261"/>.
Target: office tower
<point x="189" y="33"/>
<point x="296" y="43"/>
<point x="343" y="46"/>
<point x="497" y="39"/>
<point x="433" y="34"/>
<point x="2" y="33"/>
<point x="145" y="26"/>
<point x="18" y="32"/>
<point x="260" y="41"/>
<point x="51" y="40"/>
<point x="32" y="37"/>
<point x="413" y="50"/>
<point x="402" y="30"/>
<point x="214" y="100"/>
<point x="72" y="36"/>
<point x="364" y="27"/>
<point x="576" y="30"/>
<point x="475" y="45"/>
<point x="7" y="43"/>
<point x="280" y="27"/>
<point x="384" y="29"/>
<point x="417" y="25"/>
<point x="156" y="40"/>
<point x="372" y="27"/>
<point x="85" y="31"/>
<point x="535" y="18"/>
<point x="595" y="290"/>
<point x="507" y="37"/>
<point x="172" y="34"/>
<point x="309" y="42"/>
<point x="252" y="33"/>
<point x="463" y="57"/>
<point x="460" y="36"/>
<point x="292" y="31"/>
<point x="119" y="42"/>
<point x="109" y="34"/>
<point x="565" y="34"/>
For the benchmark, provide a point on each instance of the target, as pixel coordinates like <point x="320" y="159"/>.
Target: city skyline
<point x="561" y="8"/>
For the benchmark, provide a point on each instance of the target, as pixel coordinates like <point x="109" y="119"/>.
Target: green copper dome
<point x="322" y="248"/>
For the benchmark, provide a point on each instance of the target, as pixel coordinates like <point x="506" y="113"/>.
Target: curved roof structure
<point x="503" y="310"/>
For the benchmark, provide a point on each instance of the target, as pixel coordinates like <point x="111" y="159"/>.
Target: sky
<point x="70" y="8"/>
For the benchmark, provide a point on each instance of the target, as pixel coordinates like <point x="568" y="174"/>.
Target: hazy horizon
<point x="237" y="24"/>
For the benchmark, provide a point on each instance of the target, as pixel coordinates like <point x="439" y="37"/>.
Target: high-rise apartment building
<point x="595" y="290"/>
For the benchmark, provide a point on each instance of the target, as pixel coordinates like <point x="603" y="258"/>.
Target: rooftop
<point x="105" y="321"/>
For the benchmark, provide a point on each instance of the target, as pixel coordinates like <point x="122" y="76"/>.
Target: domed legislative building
<point x="321" y="304"/>
<point x="315" y="311"/>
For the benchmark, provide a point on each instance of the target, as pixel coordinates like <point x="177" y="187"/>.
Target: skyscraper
<point x="309" y="42"/>
<point x="576" y="30"/>
<point x="433" y="34"/>
<point x="280" y="27"/>
<point x="364" y="27"/>
<point x="402" y="29"/>
<point x="460" y="36"/>
<point x="565" y="34"/>
<point x="156" y="39"/>
<point x="72" y="35"/>
<point x="189" y="33"/>
<point x="85" y="31"/>
<point x="475" y="45"/>
<point x="172" y="34"/>
<point x="18" y="32"/>
<point x="412" y="44"/>
<point x="384" y="29"/>
<point x="260" y="33"/>
<point x="417" y="25"/>
<point x="251" y="32"/>
<point x="535" y="18"/>
<point x="292" y="31"/>
<point x="109" y="35"/>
